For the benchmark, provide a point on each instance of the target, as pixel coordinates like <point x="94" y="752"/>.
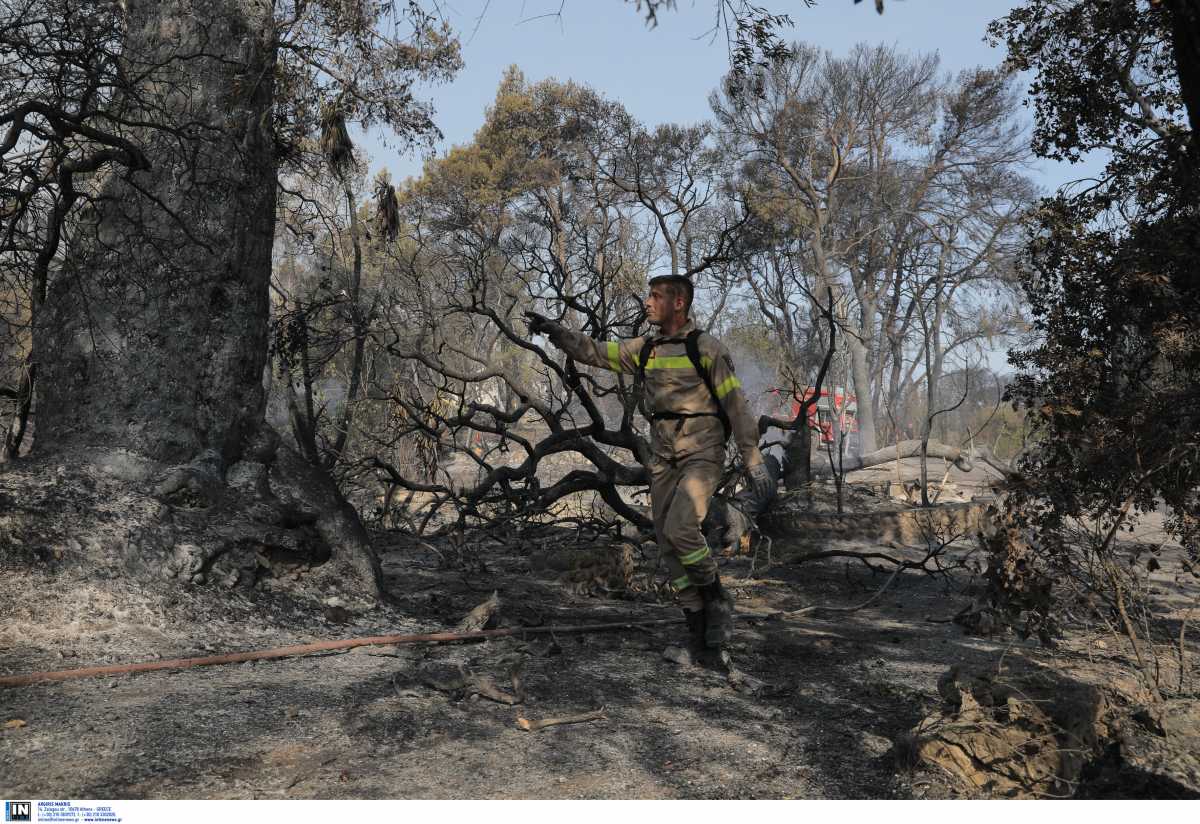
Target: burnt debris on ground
<point x="891" y="700"/>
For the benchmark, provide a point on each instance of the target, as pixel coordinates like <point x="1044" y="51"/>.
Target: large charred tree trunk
<point x="153" y="339"/>
<point x="154" y="334"/>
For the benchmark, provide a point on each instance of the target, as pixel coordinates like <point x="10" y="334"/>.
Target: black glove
<point x="540" y="324"/>
<point x="761" y="482"/>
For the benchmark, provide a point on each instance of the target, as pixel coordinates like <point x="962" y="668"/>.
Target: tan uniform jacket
<point x="673" y="385"/>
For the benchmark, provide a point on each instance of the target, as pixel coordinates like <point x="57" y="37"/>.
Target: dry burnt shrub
<point x="593" y="570"/>
<point x="1017" y="591"/>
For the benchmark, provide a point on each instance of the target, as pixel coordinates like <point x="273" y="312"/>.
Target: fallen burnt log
<point x="1007" y="469"/>
<point x="905" y="449"/>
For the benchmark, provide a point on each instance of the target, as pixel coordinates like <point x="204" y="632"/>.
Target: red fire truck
<point x="841" y="407"/>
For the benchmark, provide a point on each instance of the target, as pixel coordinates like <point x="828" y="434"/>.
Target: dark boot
<point x="696" y="627"/>
<point x="718" y="614"/>
<point x="694" y="651"/>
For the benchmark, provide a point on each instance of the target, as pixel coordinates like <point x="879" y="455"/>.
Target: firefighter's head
<point x="669" y="301"/>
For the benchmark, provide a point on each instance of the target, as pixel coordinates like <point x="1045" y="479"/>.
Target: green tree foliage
<point x="1113" y="386"/>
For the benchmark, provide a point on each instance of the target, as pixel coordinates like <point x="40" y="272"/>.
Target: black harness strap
<point x="692" y="345"/>
<point x="692" y="342"/>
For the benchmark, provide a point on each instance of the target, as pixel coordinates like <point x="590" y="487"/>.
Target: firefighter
<point x="694" y="402"/>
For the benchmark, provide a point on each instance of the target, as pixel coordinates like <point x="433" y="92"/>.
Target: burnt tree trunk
<point x="153" y="339"/>
<point x="154" y="336"/>
<point x="1185" y="41"/>
<point x="797" y="458"/>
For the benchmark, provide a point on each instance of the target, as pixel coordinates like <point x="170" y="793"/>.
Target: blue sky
<point x="665" y="74"/>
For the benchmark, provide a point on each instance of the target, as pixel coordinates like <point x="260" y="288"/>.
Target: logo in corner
<point x="18" y="811"/>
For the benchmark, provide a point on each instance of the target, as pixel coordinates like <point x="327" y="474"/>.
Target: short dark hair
<point x="679" y="286"/>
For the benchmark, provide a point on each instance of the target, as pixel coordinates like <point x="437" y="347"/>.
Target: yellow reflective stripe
<point x="694" y="557"/>
<point x="682" y="582"/>
<point x="614" y="356"/>
<point x="677" y="362"/>
<point x="728" y="385"/>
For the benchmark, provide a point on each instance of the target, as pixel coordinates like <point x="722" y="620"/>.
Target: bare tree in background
<point x="850" y="158"/>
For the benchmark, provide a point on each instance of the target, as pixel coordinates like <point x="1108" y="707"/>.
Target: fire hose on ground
<point x="298" y="650"/>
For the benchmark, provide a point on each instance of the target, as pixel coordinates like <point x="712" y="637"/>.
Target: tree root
<point x="582" y="718"/>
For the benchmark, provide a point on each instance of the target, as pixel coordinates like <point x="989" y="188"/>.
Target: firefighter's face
<point x="662" y="305"/>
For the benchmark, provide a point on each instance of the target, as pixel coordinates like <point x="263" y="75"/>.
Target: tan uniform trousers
<point x="680" y="492"/>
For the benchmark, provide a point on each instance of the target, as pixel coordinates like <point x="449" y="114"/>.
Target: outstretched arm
<point x="617" y="356"/>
